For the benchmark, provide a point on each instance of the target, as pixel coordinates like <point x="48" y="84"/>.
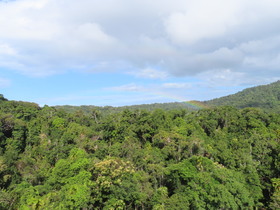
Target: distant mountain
<point x="266" y="97"/>
<point x="188" y="106"/>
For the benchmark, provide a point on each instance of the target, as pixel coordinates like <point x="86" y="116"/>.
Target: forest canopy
<point x="215" y="158"/>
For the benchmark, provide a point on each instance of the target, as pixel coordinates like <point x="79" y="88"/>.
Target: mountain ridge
<point x="266" y="97"/>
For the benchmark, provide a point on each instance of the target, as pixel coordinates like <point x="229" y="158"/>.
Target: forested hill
<point x="88" y="109"/>
<point x="217" y="158"/>
<point x="266" y="97"/>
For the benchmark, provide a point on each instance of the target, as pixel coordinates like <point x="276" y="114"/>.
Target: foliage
<point x="266" y="97"/>
<point x="218" y="158"/>
<point x="97" y="111"/>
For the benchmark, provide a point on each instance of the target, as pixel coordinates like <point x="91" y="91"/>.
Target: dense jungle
<point x="220" y="157"/>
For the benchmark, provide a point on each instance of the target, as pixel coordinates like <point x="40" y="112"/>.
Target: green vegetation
<point x="147" y="107"/>
<point x="266" y="97"/>
<point x="218" y="158"/>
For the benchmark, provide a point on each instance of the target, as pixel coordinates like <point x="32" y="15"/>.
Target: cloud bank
<point x="150" y="39"/>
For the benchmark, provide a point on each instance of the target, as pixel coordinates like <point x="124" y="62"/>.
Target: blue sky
<point x="120" y="52"/>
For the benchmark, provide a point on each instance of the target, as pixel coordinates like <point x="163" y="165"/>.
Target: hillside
<point x="266" y="97"/>
<point x="187" y="106"/>
<point x="217" y="158"/>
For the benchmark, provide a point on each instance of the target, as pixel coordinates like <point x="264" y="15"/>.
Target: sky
<point x="123" y="52"/>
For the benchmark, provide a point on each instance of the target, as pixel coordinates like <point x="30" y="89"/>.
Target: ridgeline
<point x="143" y="157"/>
<point x="266" y="97"/>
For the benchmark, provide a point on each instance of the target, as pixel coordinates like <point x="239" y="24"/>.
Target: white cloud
<point x="150" y="73"/>
<point x="177" y="85"/>
<point x="202" y="20"/>
<point x="180" y="37"/>
<point x="229" y="78"/>
<point x="5" y="49"/>
<point x="223" y="77"/>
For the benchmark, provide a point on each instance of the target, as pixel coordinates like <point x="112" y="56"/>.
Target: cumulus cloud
<point x="150" y="73"/>
<point x="162" y="38"/>
<point x="177" y="85"/>
<point x="228" y="78"/>
<point x="223" y="77"/>
<point x="202" y="20"/>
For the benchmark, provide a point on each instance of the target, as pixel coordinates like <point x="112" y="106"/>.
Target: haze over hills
<point x="266" y="97"/>
<point x="189" y="106"/>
